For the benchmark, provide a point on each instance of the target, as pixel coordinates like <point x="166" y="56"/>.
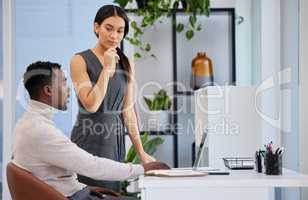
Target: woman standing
<point x="103" y="79"/>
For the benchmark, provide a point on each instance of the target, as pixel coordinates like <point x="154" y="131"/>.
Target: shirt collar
<point x="42" y="108"/>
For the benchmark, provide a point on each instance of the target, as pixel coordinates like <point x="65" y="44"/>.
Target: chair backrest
<point x="24" y="186"/>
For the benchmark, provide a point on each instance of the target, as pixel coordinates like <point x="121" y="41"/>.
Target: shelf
<point x="167" y="132"/>
<point x="135" y="10"/>
<point x="185" y="93"/>
<point x="162" y="133"/>
<point x="219" y="43"/>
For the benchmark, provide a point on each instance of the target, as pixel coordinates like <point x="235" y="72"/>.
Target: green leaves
<point x="149" y="103"/>
<point x="175" y="4"/>
<point x="122" y="3"/>
<point x="180" y="27"/>
<point x="189" y="34"/>
<point x="134" y="24"/>
<point x="194" y="8"/>
<point x="149" y="146"/>
<point x="192" y="20"/>
<point x="205" y="7"/>
<point x="132" y="153"/>
<point x="147" y="47"/>
<point x="154" y="10"/>
<point x="199" y="28"/>
<point x="137" y="55"/>
<point x="134" y="41"/>
<point x="137" y="30"/>
<point x="161" y="101"/>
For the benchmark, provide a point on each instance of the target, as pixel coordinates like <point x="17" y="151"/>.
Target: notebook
<point x="176" y="173"/>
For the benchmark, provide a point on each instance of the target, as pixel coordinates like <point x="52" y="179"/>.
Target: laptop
<point x="200" y="151"/>
<point x="190" y="172"/>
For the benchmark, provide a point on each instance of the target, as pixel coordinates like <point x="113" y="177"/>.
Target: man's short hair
<point x="37" y="75"/>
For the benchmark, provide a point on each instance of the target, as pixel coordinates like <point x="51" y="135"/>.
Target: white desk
<point x="239" y="185"/>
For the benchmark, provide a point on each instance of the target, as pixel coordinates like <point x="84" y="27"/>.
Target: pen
<point x="281" y="151"/>
<point x="277" y="151"/>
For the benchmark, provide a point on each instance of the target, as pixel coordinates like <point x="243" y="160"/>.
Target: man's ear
<point x="47" y="90"/>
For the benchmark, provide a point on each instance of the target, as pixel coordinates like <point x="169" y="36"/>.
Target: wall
<point x="8" y="15"/>
<point x="1" y="95"/>
<point x="256" y="41"/>
<point x="244" y="44"/>
<point x="289" y="89"/>
<point x="268" y="89"/>
<point x="303" y="91"/>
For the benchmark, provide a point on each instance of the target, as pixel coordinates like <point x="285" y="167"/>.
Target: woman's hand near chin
<point x="110" y="60"/>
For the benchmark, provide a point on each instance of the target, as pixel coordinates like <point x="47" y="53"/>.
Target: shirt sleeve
<point x="58" y="150"/>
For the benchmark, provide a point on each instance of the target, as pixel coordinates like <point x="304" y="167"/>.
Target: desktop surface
<point x="236" y="178"/>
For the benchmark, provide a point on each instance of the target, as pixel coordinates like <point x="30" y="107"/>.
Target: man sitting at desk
<point x="48" y="154"/>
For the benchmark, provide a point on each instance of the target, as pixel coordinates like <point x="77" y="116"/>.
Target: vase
<point x="202" y="71"/>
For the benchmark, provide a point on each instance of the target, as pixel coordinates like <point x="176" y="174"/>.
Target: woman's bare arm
<point x="90" y="95"/>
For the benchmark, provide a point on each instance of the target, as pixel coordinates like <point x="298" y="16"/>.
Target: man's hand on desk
<point x="102" y="192"/>
<point x="154" y="166"/>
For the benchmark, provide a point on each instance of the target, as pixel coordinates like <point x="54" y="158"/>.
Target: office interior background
<point x="271" y="39"/>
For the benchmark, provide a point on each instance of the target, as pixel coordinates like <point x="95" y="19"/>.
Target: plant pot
<point x="133" y="187"/>
<point x="184" y="4"/>
<point x="157" y="121"/>
<point x="142" y="3"/>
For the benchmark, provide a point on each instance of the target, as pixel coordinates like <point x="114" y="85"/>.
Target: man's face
<point x="59" y="90"/>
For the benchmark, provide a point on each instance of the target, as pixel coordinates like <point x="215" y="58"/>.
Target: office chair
<point x="24" y="186"/>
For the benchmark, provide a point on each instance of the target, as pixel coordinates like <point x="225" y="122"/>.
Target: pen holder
<point x="258" y="163"/>
<point x="273" y="164"/>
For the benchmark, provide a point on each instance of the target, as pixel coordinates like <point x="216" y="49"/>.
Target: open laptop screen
<point x="200" y="150"/>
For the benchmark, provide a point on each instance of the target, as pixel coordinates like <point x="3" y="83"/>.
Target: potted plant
<point x="150" y="146"/>
<point x="152" y="11"/>
<point x="158" y="118"/>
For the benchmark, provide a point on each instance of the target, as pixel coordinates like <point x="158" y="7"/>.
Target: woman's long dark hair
<point x="110" y="11"/>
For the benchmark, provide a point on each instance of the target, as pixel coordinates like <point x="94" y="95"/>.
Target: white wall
<point x="244" y="67"/>
<point x="245" y="34"/>
<point x="256" y="41"/>
<point x="289" y="90"/>
<point x="270" y="66"/>
<point x="223" y="3"/>
<point x="8" y="83"/>
<point x="1" y="89"/>
<point x="303" y="90"/>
